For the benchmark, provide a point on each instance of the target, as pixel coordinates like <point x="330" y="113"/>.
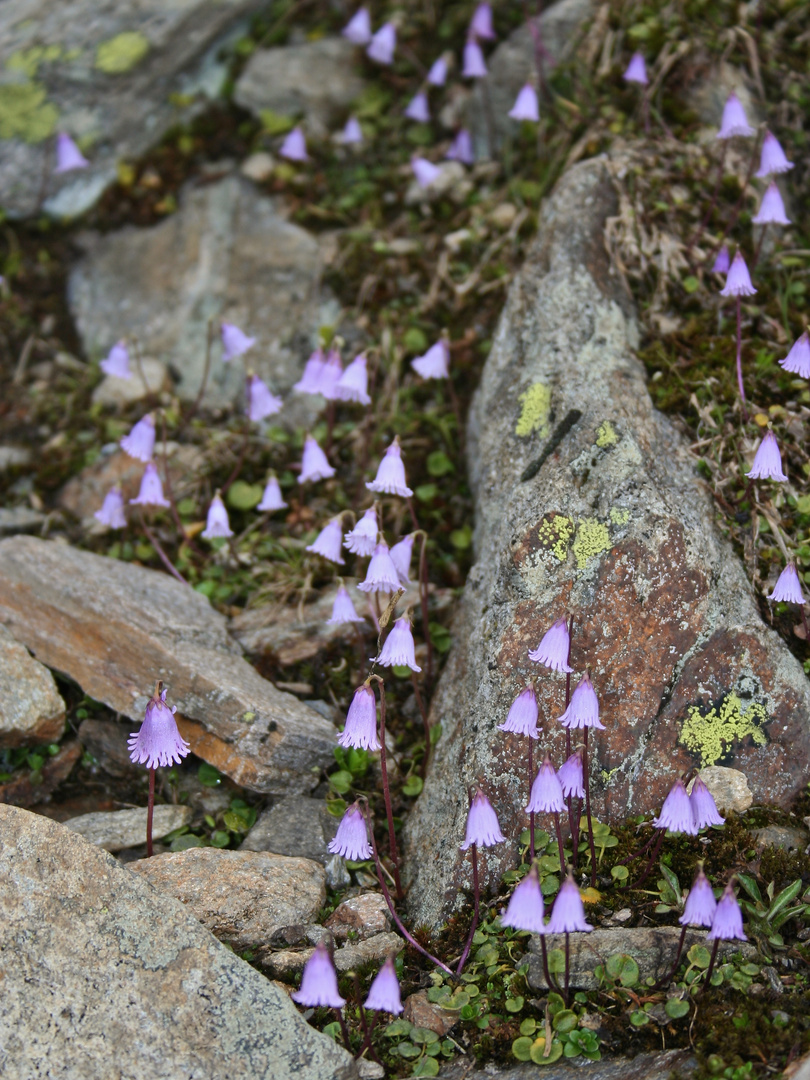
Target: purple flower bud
<point x="773" y="158"/>
<point x="568" y="914"/>
<point x="787" y="590"/>
<point x="704" y="808"/>
<point x="727" y="922"/>
<point x="734" y="121"/>
<point x="151" y="492"/>
<point x="526" y="107"/>
<point x="319" y="981"/>
<point x="738" y="282"/>
<point x="381" y="49"/>
<point x="353" y="383"/>
<point x="260" y="402"/>
<point x="676" y="813"/>
<point x="636" y="70"/>
<point x="398" y="648"/>
<point x="390" y="478"/>
<point x="401" y="558"/>
<point x="381" y="575"/>
<point x="217" y="525"/>
<point x="361" y="721"/>
<point x="111" y="513"/>
<point x="117" y="361"/>
<point x="351" y="838"/>
<point x="482" y="824"/>
<point x="797" y="360"/>
<point x="294" y="147"/>
<point x="314" y="463"/>
<point x="158" y="742"/>
<point x="352" y="132"/>
<point x="425" y="171"/>
<point x="358" y="29"/>
<point x="722" y="262"/>
<point x="546" y="795"/>
<point x="68" y="155"/>
<point x="272" y="498"/>
<point x="481" y="23"/>
<point x="418" y="108"/>
<point x="553" y="649"/>
<point x="772" y="210"/>
<point x="571" y="776"/>
<point x="700" y="903"/>
<point x="328" y="542"/>
<point x="310" y="381"/>
<point x="523" y="712"/>
<point x="525" y="910"/>
<point x="234" y="342"/>
<point x="461" y="148"/>
<point x="434" y="363"/>
<point x="583" y="710"/>
<point x="767" y="461"/>
<point x="363" y="538"/>
<point x="343" y="609"/>
<point x="383" y="994"/>
<point x="474" y="65"/>
<point x="140" y="443"/>
<point x="437" y="76"/>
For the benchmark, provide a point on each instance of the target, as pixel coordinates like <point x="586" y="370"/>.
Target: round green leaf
<point x="529" y="1026"/>
<point x="522" y="1049"/>
<point x="408" y="1050"/>
<point x="208" y="775"/>
<point x="514" y="1005"/>
<point x="397" y="1027"/>
<point x="639" y="1019"/>
<point x="244" y="496"/>
<point x="699" y="956"/>
<point x="675" y="1008"/>
<point x="623" y="968"/>
<point x="619" y="873"/>
<point x="566" y="1020"/>
<point x="438" y="464"/>
<point x="537" y="1051"/>
<point x="428" y="1066"/>
<point x="423" y="1035"/>
<point x="183" y="843"/>
<point x="413" y="786"/>
<point x="341" y="781"/>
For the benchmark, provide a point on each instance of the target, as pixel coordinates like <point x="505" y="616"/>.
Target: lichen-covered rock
<point x="31" y="708"/>
<point x="588" y="501"/>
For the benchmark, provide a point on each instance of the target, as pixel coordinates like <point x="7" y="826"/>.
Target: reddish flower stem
<point x="587" y="785"/>
<point x="150" y="806"/>
<point x="531" y="812"/>
<point x="389" y="813"/>
<point x="474" y="926"/>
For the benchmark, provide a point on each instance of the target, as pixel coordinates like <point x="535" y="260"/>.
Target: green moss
<point x="711" y="736"/>
<point x="25" y="112"/>
<point x="534" y="414"/>
<point x="555" y="534"/>
<point x="121" y="53"/>
<point x="606" y="435"/>
<point x="592" y="539"/>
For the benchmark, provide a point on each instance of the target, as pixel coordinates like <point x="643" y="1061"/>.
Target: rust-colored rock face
<point x="588" y="503"/>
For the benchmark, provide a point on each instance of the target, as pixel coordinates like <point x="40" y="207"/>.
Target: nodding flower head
<point x="418" y="108"/>
<point x="734" y="121"/>
<point x="116" y="361"/>
<point x="68" y="155"/>
<point x="352" y="132"/>
<point x="525" y="910"/>
<point x="381" y="575"/>
<point x="526" y="107"/>
<point x="111" y="513"/>
<point x="382" y="45"/>
<point x="390" y="478"/>
<point x="676" y="813"/>
<point x="351" y="838"/>
<point x="553" y="649"/>
<point x="425" y="171"/>
<point x="482" y="824"/>
<point x="361" y="721"/>
<point x="722" y="262"/>
<point x="363" y="537"/>
<point x="700" y="903"/>
<point x="398" y="648"/>
<point x="797" y="360"/>
<point x="314" y="463"/>
<point x="437" y="76"/>
<point x="310" y="381"/>
<point x="383" y="994"/>
<point x="234" y="341"/>
<point x="772" y="159"/>
<point x="353" y="383"/>
<point x="583" y="711"/>
<point x="140" y="443"/>
<point x="294" y="147"/>
<point x="772" y="209"/>
<point x="568" y="913"/>
<point x="474" y="64"/>
<point x="260" y="402"/>
<point x="788" y="589"/>
<point x="704" y="808"/>
<point x="358" y="29"/>
<point x="330" y="375"/>
<point x="329" y="541"/>
<point x="158" y="742"/>
<point x="481" y="23"/>
<point x="522" y="715"/>
<point x="272" y="498"/>
<point x="343" y="610"/>
<point x="401" y="558"/>
<point x="434" y="364"/>
<point x="461" y="148"/>
<point x="319" y="982"/>
<point x="727" y="923"/>
<point x="217" y="525"/>
<point x="151" y="491"/>
<point x="546" y="795"/>
<point x="767" y="463"/>
<point x="636" y="70"/>
<point x="572" y="777"/>
<point x="738" y="282"/>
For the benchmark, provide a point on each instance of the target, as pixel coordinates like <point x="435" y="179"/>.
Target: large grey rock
<point x="31" y="708"/>
<point x="119" y="829"/>
<point x="316" y="79"/>
<point x="116" y="629"/>
<point x="114" y="76"/>
<point x="104" y="975"/>
<point x="588" y="501"/>
<point x="294" y="826"/>
<point x="220" y="257"/>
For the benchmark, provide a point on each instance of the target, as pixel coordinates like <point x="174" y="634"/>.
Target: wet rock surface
<point x="588" y="501"/>
<point x="31" y="708"/>
<point x="121" y="829"/>
<point x="115" y="629"/>
<point x="104" y="974"/>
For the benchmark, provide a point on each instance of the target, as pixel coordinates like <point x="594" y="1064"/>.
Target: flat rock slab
<point x="104" y="976"/>
<point x="31" y="708"/>
<point x="294" y="826"/>
<point x="116" y="628"/>
<point x="288" y="962"/>
<point x="360" y="916"/>
<point x="114" y="76"/>
<point x="587" y="500"/>
<point x="668" y="1065"/>
<point x="243" y="897"/>
<point x="119" y="829"/>
<point x="220" y="257"/>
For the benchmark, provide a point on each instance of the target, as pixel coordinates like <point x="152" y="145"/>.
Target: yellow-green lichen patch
<point x="592" y="539"/>
<point x="535" y="410"/>
<point x="606" y="435"/>
<point x="28" y="60"/>
<point x="26" y="113"/>
<point x="712" y="736"/>
<point x="555" y="534"/>
<point x="619" y="517"/>
<point x="122" y="52"/>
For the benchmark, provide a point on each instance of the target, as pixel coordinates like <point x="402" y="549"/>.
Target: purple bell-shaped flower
<point x="217" y="525"/>
<point x="116" y="362"/>
<point x="158" y="741"/>
<point x="483" y="829"/>
<point x="361" y="721"/>
<point x="328" y="542"/>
